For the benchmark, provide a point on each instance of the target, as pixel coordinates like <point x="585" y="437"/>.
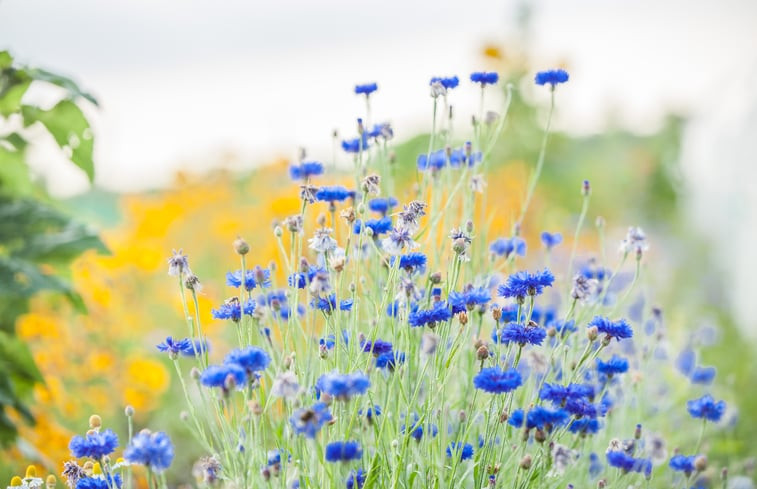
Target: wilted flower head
<point x="285" y="385"/>
<point x="178" y="264"/>
<point x="322" y="242"/>
<point x="634" y="242"/>
<point x="399" y="240"/>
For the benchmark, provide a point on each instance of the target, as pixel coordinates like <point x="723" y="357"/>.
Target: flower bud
<point x="51" y="481"/>
<point x="592" y="333"/>
<point x="586" y="188"/>
<point x="184" y="416"/>
<point x="700" y="463"/>
<point x="95" y="421"/>
<point x="463" y="318"/>
<point x="195" y="373"/>
<point x="241" y="246"/>
<point x="278" y="232"/>
<point x="435" y="278"/>
<point x="129" y="411"/>
<point x="525" y="462"/>
<point x="482" y="353"/>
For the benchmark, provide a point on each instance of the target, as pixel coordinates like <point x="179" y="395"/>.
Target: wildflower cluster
<point x="399" y="343"/>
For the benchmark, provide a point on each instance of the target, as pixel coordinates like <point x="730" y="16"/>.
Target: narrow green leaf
<point x="66" y="83"/>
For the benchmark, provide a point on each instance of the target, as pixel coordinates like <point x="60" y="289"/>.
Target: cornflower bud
<point x="241" y="246"/>
<point x="95" y="421"/>
<point x="525" y="462"/>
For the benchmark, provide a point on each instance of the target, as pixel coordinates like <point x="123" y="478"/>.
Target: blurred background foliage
<point x="38" y="238"/>
<point x="100" y="361"/>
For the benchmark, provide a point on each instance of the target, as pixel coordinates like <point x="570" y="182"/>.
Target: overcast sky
<point x="183" y="81"/>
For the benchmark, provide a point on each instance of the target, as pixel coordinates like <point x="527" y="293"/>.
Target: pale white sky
<point x="181" y="81"/>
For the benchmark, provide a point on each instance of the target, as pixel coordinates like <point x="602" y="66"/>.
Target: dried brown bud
<point x="482" y="353"/>
<point x="497" y="313"/>
<point x="525" y="462"/>
<point x="463" y="318"/>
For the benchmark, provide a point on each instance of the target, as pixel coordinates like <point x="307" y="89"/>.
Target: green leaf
<point x="70" y="129"/>
<point x="11" y="92"/>
<point x="6" y="60"/>
<point x="17" y="360"/>
<point x="14" y="173"/>
<point x="66" y="83"/>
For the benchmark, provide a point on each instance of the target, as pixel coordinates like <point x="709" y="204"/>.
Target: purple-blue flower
<point x="356" y="479"/>
<point x="377" y="347"/>
<point x="627" y="463"/>
<point x="615" y="365"/>
<point x="335" y="193"/>
<point x="551" y="77"/>
<point x="619" y="329"/>
<point x="468" y="299"/>
<point x="305" y="170"/>
<point x="153" y="450"/>
<point x="378" y="226"/>
<point x="507" y="246"/>
<point x="484" y="78"/>
<point x="308" y="421"/>
<point x="96" y="444"/>
<point x="523" y="283"/>
<point x="343" y="451"/>
<point x="219" y="375"/>
<point x="438" y="313"/>
<point x="366" y="88"/>
<point x="496" y="381"/>
<point x="551" y="240"/>
<point x="705" y="407"/>
<point x="682" y="463"/>
<point x="343" y="386"/>
<point x="251" y="359"/>
<point x="520" y="334"/>
<point x="382" y="205"/>
<point x="465" y="450"/>
<point x="448" y="82"/>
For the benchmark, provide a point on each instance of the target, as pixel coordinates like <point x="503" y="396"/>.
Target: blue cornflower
<point x="682" y="463"/>
<point x="356" y="479"/>
<point x="305" y="170"/>
<point x="496" y="380"/>
<point x="436" y="160"/>
<point x="416" y="429"/>
<point x="356" y="145"/>
<point x="448" y="82"/>
<point x="551" y="77"/>
<point x="328" y="304"/>
<point x="271" y="298"/>
<point x="96" y="445"/>
<point x="371" y="412"/>
<point x="686" y="361"/>
<point x="461" y="156"/>
<point x="230" y="309"/>
<point x="466" y="450"/>
<point x="616" y="365"/>
<point x="251" y="359"/>
<point x="484" y="78"/>
<point x="336" y="193"/>
<point x="551" y="240"/>
<point x="560" y="394"/>
<point x="619" y="329"/>
<point x="595" y="465"/>
<point x="706" y="407"/>
<point x="298" y="279"/>
<point x="175" y="347"/>
<point x="390" y="360"/>
<point x="252" y="278"/>
<point x="343" y="451"/>
<point x="520" y="284"/>
<point x="309" y="421"/>
<point x="100" y="482"/>
<point x="580" y="407"/>
<point x="509" y="313"/>
<point x="217" y="376"/>
<point x="520" y="334"/>
<point x="382" y="205"/>
<point x="627" y="463"/>
<point x="412" y="262"/>
<point x="366" y="88"/>
<point x="507" y="246"/>
<point x="538" y="417"/>
<point x="285" y="311"/>
<point x="153" y="450"/>
<point x="381" y="130"/>
<point x="343" y="386"/>
<point x="703" y="375"/>
<point x="378" y="226"/>
<point x="468" y="299"/>
<point x="378" y="347"/>
<point x="274" y="457"/>
<point x="584" y="426"/>
<point x="438" y="313"/>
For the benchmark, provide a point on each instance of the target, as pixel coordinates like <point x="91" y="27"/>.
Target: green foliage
<point x="37" y="241"/>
